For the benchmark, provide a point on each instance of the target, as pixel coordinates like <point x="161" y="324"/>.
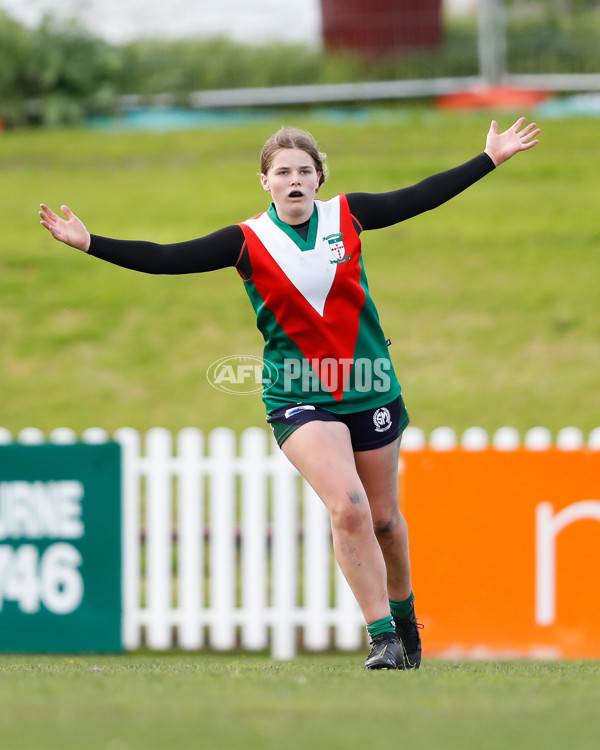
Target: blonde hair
<point x="288" y="137"/>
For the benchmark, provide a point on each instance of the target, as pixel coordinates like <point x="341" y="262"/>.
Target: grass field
<point x="490" y="301"/>
<point x="185" y="701"/>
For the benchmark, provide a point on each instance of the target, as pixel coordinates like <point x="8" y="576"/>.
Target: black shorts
<point x="369" y="429"/>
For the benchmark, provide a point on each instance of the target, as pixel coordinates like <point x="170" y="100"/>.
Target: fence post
<point x="130" y="442"/>
<point x="190" y="536"/>
<point x="222" y="538"/>
<point x="349" y="625"/>
<point x="254" y="542"/>
<point x="492" y="41"/>
<point x="317" y="570"/>
<point x="159" y="566"/>
<point x="285" y="557"/>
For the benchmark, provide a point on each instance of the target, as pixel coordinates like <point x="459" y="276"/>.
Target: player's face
<point x="293" y="181"/>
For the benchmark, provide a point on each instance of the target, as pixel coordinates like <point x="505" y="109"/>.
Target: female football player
<point x="335" y="408"/>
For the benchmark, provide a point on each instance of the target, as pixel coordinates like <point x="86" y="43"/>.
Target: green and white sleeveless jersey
<point x="323" y="340"/>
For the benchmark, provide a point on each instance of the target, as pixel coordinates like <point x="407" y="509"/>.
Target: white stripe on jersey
<point x="310" y="271"/>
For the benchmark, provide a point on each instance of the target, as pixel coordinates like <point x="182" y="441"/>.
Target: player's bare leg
<point x="322" y="453"/>
<point x="378" y="472"/>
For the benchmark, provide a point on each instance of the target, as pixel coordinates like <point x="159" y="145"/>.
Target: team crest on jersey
<point x="336" y="247"/>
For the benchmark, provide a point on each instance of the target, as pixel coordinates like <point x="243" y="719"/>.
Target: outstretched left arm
<point x="501" y="146"/>
<point x="377" y="210"/>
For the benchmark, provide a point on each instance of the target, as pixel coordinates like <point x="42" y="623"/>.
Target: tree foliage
<point x="54" y="74"/>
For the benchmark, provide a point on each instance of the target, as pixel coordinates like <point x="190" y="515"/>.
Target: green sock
<point x="385" y="625"/>
<point x="402" y="609"/>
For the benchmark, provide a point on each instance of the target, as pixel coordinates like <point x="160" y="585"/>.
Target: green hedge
<point x="56" y="74"/>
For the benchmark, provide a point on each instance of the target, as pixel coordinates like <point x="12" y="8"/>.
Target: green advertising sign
<point x="60" y="548"/>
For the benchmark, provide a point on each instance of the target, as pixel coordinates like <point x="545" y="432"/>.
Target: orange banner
<point x="505" y="551"/>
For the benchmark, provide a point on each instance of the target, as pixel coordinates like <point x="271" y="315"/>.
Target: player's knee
<point x="350" y="514"/>
<point x="384" y="526"/>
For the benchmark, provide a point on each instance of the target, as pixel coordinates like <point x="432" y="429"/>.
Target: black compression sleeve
<point x="217" y="250"/>
<point x="377" y="210"/>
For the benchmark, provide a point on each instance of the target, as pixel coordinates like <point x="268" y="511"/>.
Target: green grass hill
<point x="491" y="301"/>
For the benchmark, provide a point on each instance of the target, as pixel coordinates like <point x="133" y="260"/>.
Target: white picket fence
<point x="224" y="546"/>
<point x="253" y="560"/>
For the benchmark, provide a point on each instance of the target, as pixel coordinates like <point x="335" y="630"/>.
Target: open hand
<point x="71" y="230"/>
<point x="501" y="146"/>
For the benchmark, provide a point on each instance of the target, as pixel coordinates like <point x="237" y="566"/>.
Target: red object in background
<point x="492" y="97"/>
<point x="381" y="27"/>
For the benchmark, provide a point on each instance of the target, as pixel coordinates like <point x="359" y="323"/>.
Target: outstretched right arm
<point x="217" y="250"/>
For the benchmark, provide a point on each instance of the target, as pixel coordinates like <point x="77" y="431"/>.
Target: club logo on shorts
<point x="336" y="246"/>
<point x="382" y="419"/>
